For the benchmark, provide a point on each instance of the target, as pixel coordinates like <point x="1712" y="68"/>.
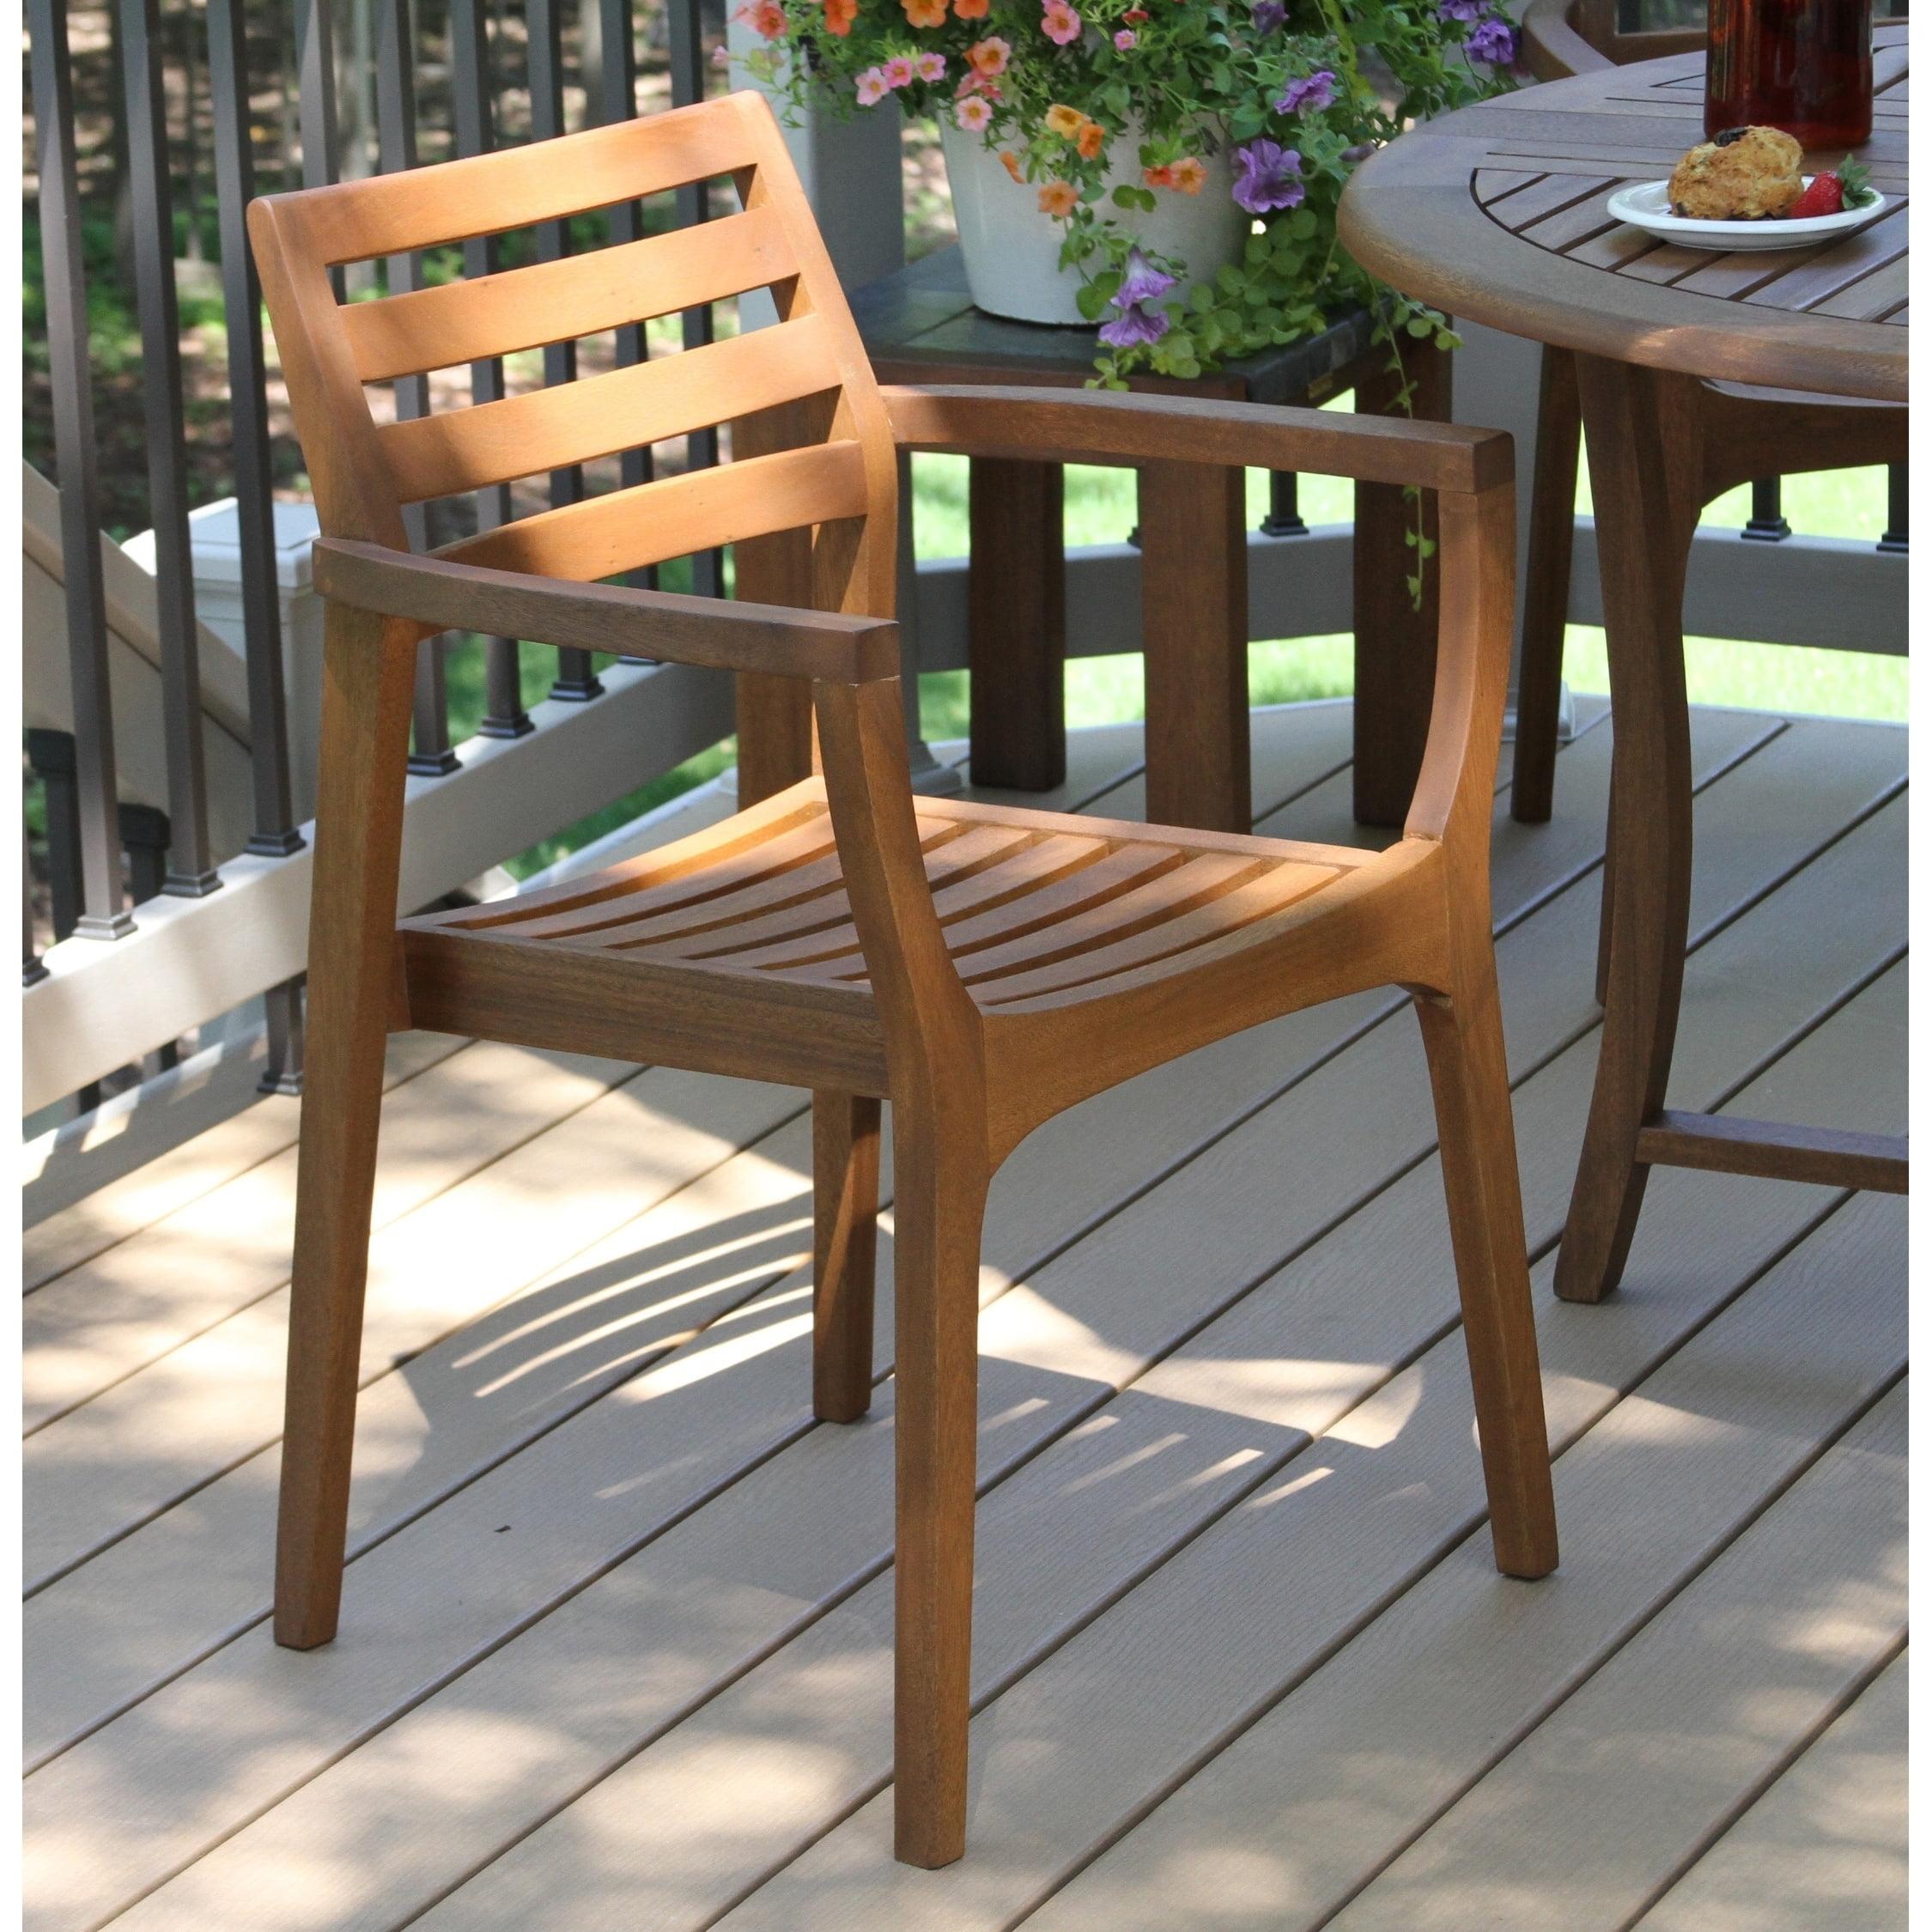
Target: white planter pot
<point x="1012" y="250"/>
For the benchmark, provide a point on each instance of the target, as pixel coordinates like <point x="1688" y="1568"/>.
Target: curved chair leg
<point x="366" y="682"/>
<point x="845" y="1249"/>
<point x="1545" y="601"/>
<point x="1463" y="1037"/>
<point x="939" y="1194"/>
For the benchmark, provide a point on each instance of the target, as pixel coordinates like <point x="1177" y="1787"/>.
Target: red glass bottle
<point x="1801" y="66"/>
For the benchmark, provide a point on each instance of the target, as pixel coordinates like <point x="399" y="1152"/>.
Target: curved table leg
<point x="1643" y="430"/>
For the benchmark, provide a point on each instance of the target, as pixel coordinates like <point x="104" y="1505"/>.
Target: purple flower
<point x="1271" y="177"/>
<point x="1464" y="10"/>
<point x="1313" y="91"/>
<point x="1141" y="282"/>
<point x="1134" y="327"/>
<point x="1270" y="17"/>
<point x="1493" y="43"/>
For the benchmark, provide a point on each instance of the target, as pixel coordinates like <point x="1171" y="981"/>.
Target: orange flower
<point x="1058" y="199"/>
<point x="839" y="15"/>
<point x="1064" y="121"/>
<point x="1011" y="162"/>
<point x="766" y="17"/>
<point x="988" y="57"/>
<point x="1158" y="176"/>
<point x="1092" y="138"/>
<point x="924" y="13"/>
<point x="971" y="10"/>
<point x="1190" y="174"/>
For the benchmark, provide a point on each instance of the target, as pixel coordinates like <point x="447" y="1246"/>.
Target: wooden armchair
<point x="981" y="968"/>
<point x="1745" y="433"/>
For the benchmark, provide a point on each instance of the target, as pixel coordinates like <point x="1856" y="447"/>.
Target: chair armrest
<point x="1097" y="426"/>
<point x="718" y="633"/>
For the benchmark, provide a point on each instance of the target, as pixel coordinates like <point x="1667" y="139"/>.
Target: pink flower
<point x="872" y="88"/>
<point x="973" y="114"/>
<point x="720" y="55"/>
<point x="1060" y="24"/>
<point x="931" y="66"/>
<point x="1127" y="39"/>
<point x="898" y="71"/>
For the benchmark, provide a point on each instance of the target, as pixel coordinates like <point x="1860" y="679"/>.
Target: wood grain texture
<point x="1193" y="620"/>
<point x="833" y="937"/>
<point x="1411" y="216"/>
<point x="1016" y="590"/>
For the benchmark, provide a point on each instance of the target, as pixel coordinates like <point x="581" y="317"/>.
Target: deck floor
<point x="617" y="1642"/>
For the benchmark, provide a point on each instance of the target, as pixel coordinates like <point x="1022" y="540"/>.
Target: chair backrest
<point x="840" y="478"/>
<point x="1566" y="37"/>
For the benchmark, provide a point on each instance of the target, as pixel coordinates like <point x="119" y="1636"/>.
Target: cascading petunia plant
<point x="1297" y="92"/>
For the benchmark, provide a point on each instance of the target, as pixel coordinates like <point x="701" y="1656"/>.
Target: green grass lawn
<point x="1100" y="509"/>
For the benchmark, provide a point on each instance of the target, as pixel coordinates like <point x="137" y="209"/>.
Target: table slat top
<point x="1498" y="213"/>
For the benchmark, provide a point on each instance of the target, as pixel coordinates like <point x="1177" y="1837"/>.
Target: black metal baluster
<point x="430" y="753"/>
<point x="190" y="874"/>
<point x="274" y="834"/>
<point x="32" y="970"/>
<point x="504" y="715"/>
<point x="1897" y="500"/>
<point x="102" y="911"/>
<point x="1285" y="510"/>
<point x="687" y="87"/>
<point x="618" y="102"/>
<point x="1767" y="524"/>
<point x="576" y="681"/>
<point x="50" y="755"/>
<point x="315" y="38"/>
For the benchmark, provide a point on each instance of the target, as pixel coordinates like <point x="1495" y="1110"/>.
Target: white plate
<point x="1646" y="205"/>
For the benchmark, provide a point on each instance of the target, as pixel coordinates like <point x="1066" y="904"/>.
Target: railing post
<point x="274" y="834"/>
<point x="431" y="755"/>
<point x="576" y="680"/>
<point x="475" y="132"/>
<point x="32" y="970"/>
<point x="190" y="873"/>
<point x="687" y="86"/>
<point x="1898" y="503"/>
<point x="102" y="910"/>
<point x="1766" y="524"/>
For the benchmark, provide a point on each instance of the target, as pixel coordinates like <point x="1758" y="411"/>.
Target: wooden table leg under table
<point x="1650" y="474"/>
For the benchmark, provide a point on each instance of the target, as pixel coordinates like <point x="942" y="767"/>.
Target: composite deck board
<point x="1647" y="1762"/>
<point x="1341" y="1774"/>
<point x="148" y="1297"/>
<point x="153" y="1554"/>
<point x="1120" y="1438"/>
<point x="691" y="1453"/>
<point x="90" y="1185"/>
<point x="1166" y="1695"/>
<point x="679" y="1824"/>
<point x="1825" y="1845"/>
<point x="1112" y="1146"/>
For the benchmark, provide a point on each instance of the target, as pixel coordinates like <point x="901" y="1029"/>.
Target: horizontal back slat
<point x="630" y="529"/>
<point x="467" y="449"/>
<point x="515" y="187"/>
<point x="470" y="321"/>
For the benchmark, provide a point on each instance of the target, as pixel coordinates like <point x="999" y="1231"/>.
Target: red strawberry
<point x="1832" y="192"/>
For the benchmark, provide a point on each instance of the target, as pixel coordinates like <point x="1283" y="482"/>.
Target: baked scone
<point x="1745" y="174"/>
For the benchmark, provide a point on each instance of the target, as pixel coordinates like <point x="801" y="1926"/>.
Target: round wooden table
<point x="1686" y="363"/>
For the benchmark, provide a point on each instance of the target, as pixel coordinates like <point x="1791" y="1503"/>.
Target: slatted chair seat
<point x="980" y="967"/>
<point x="1030" y="908"/>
